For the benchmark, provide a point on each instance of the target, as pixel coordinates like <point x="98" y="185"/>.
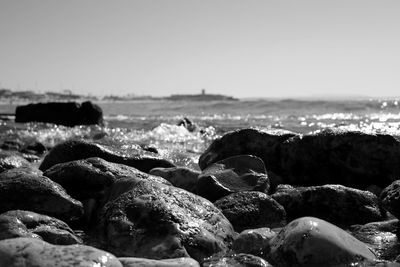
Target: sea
<point x="154" y="123"/>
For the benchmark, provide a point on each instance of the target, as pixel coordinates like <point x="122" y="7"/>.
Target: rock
<point x="10" y="160"/>
<point x="181" y="177"/>
<point x="237" y="260"/>
<point x="68" y="114"/>
<point x="309" y="241"/>
<point x="188" y="124"/>
<point x="28" y="191"/>
<point x="156" y="221"/>
<point x="80" y="149"/>
<point x="142" y="262"/>
<point x="246" y="210"/>
<point x="19" y="223"/>
<point x="255" y="242"/>
<point x="381" y="236"/>
<point x="28" y="252"/>
<point x="335" y="203"/>
<point x="234" y="174"/>
<point x="390" y="198"/>
<point x="264" y="144"/>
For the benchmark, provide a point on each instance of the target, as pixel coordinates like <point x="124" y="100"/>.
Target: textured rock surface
<point x="335" y="203"/>
<point x="80" y="149"/>
<point x="234" y="174"/>
<point x="181" y="177"/>
<point x="29" y="252"/>
<point x="390" y="198"/>
<point x="254" y="241"/>
<point x="309" y="241"/>
<point x="36" y="193"/>
<point x="142" y="262"/>
<point x="157" y="221"/>
<point x="246" y="210"/>
<point x="19" y="223"/>
<point x="238" y="260"/>
<point x="10" y="160"/>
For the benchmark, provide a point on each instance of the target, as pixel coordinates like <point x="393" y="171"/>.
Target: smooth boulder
<point x="390" y="198"/>
<point x="237" y="260"/>
<point x="157" y="221"/>
<point x="62" y="113"/>
<point x="247" y="210"/>
<point x="80" y="149"/>
<point x="254" y="241"/>
<point x="181" y="177"/>
<point x="310" y="241"/>
<point x="143" y="262"/>
<point x="335" y="203"/>
<point x="29" y="252"/>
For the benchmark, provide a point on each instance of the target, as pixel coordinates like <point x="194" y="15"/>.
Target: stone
<point x="157" y="221"/>
<point x="234" y="174"/>
<point x="29" y="252"/>
<point x="237" y="260"/>
<point x="335" y="203"/>
<point x="181" y="177"/>
<point x="80" y="149"/>
<point x="62" y="113"/>
<point x="142" y="262"/>
<point x="390" y="198"/>
<point x="20" y="223"/>
<point x="32" y="192"/>
<point x="11" y="160"/>
<point x="250" y="209"/>
<point x="255" y="242"/>
<point x="310" y="241"/>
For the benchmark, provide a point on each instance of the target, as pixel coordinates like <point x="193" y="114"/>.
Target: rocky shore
<point x="260" y="198"/>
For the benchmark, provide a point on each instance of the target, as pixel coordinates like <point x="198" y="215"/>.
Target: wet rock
<point x="29" y="252"/>
<point x="11" y="160"/>
<point x="390" y="198"/>
<point x="246" y="210"/>
<point x="142" y="262"/>
<point x="238" y="260"/>
<point x="80" y="149"/>
<point x="20" y="223"/>
<point x="381" y="236"/>
<point x="181" y="177"/>
<point x="153" y="220"/>
<point x="234" y="174"/>
<point x="310" y="241"/>
<point x="27" y="191"/>
<point x="188" y="124"/>
<point x="255" y="242"/>
<point x="68" y="114"/>
<point x="264" y="144"/>
<point x="335" y="203"/>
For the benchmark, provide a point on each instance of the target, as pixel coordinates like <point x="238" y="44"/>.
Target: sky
<point x="246" y="48"/>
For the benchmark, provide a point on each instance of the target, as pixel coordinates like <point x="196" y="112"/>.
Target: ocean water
<point x="129" y="125"/>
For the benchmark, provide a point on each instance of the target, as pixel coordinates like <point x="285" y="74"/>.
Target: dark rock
<point x="181" y="177"/>
<point x="156" y="221"/>
<point x="10" y="160"/>
<point x="80" y="149"/>
<point x="19" y="223"/>
<point x="335" y="203"/>
<point x="310" y="241"/>
<point x="237" y="260"/>
<point x="188" y="124"/>
<point x="28" y="191"/>
<point x="255" y="242"/>
<point x="381" y="236"/>
<point x="246" y="210"/>
<point x="234" y="174"/>
<point x="390" y="198"/>
<point x="142" y="262"/>
<point x="30" y="252"/>
<point x="35" y="148"/>
<point x="68" y="114"/>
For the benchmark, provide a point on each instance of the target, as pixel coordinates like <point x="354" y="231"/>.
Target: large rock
<point x="246" y="210"/>
<point x="181" y="177"/>
<point x="10" y="160"/>
<point x="20" y="223"/>
<point x="142" y="262"/>
<point x="335" y="203"/>
<point x="81" y="149"/>
<point x="28" y="191"/>
<point x="153" y="220"/>
<point x="63" y="113"/>
<point x="310" y="241"/>
<point x="254" y="241"/>
<point x="234" y="174"/>
<point x="28" y="252"/>
<point x="390" y="198"/>
<point x="237" y="260"/>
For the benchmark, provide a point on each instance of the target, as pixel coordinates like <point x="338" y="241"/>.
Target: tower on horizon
<point x="203" y="91"/>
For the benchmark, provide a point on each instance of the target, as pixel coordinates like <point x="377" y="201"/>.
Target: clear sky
<point x="242" y="48"/>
